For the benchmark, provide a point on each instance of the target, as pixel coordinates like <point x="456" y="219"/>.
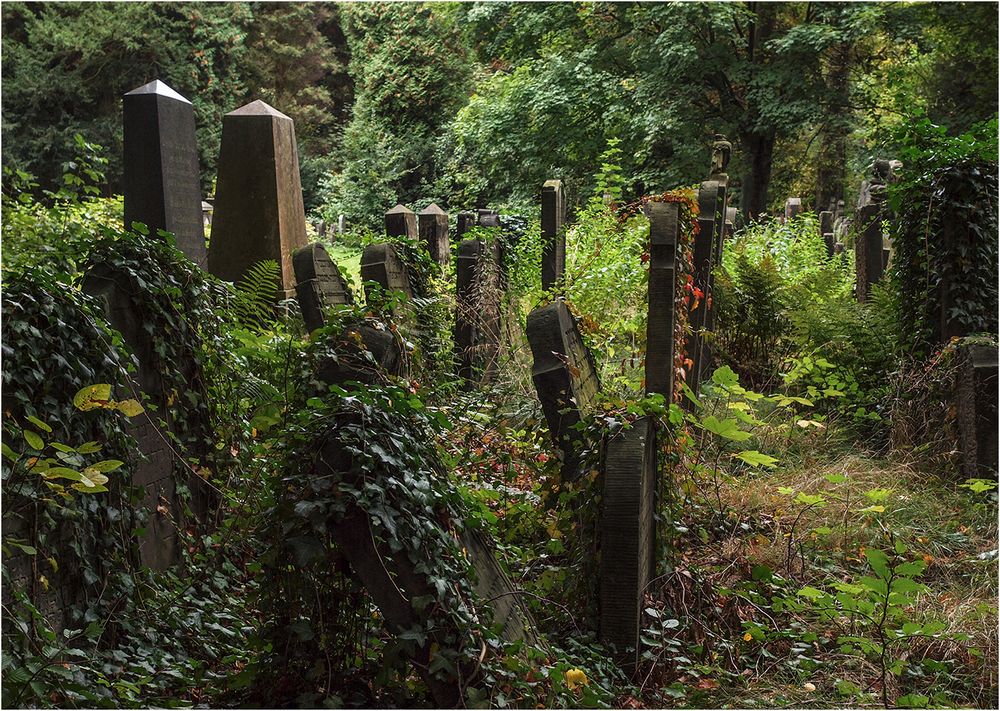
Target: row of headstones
<point x="566" y="380"/>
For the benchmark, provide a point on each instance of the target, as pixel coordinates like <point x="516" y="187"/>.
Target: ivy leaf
<point x="92" y="397"/>
<point x="756" y="459"/>
<point x="33" y="440"/>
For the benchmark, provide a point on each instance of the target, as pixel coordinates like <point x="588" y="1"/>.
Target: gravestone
<point x="826" y="230"/>
<point x="553" y="236"/>
<point x="564" y="376"/>
<point x="380" y="263"/>
<point x="868" y="242"/>
<point x="341" y="224"/>
<point x="401" y="221"/>
<point x="318" y="284"/>
<point x="664" y="229"/>
<point x="433" y="228"/>
<point x="466" y="221"/>
<point x="731" y="213"/>
<point x="627" y="537"/>
<point x="477" y="312"/>
<point x="793" y="206"/>
<point x="488" y="218"/>
<point x="259" y="208"/>
<point x="703" y="259"/>
<point x="721" y="152"/>
<point x="976" y="410"/>
<point x="161" y="180"/>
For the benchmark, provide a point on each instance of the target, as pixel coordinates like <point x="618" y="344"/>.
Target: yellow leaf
<point x="129" y="408"/>
<point x="747" y="637"/>
<point x="576" y="678"/>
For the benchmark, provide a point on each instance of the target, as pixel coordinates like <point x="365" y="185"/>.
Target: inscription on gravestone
<point x="553" y="236"/>
<point x="433" y="228"/>
<point x="258" y="208"/>
<point x="627" y="536"/>
<point x="381" y="264"/>
<point x="160" y="181"/>
<point x="664" y="229"/>
<point x="401" y="221"/>
<point x="565" y="378"/>
<point x="318" y="284"/>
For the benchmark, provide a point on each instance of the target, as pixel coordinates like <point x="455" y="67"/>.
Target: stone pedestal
<point x="401" y="221"/>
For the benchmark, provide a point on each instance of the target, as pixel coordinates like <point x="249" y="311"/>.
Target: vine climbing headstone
<point x="627" y="536"/>
<point x="565" y="378"/>
<point x="259" y="213"/>
<point x="664" y="230"/>
<point x="432" y="224"/>
<point x="696" y="347"/>
<point x="161" y="180"/>
<point x="318" y="284"/>
<point x="553" y="236"/>
<point x="477" y="312"/>
<point x="401" y="221"/>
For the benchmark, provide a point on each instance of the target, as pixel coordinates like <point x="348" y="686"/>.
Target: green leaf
<point x="836" y="478"/>
<point x="810" y="499"/>
<point x="879" y="562"/>
<point x="810" y="593"/>
<point x="911" y="569"/>
<point x="786" y="490"/>
<point x="92" y="396"/>
<point x="872" y="509"/>
<point x="725" y="377"/>
<point x="756" y="459"/>
<point x="877" y="495"/>
<point x="108" y="465"/>
<point x="88" y="448"/>
<point x="725" y="428"/>
<point x="912" y="701"/>
<point x="62" y="473"/>
<point x="33" y="440"/>
<point x="8" y="452"/>
<point x="39" y="424"/>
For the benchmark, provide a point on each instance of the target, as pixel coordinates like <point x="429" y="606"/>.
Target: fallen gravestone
<point x="161" y="179"/>
<point x="318" y="284"/>
<point x="553" y="236"/>
<point x="627" y="537"/>
<point x="565" y="378"/>
<point x="432" y="224"/>
<point x="258" y="208"/>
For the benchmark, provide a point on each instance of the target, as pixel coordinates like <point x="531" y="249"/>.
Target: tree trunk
<point x="832" y="158"/>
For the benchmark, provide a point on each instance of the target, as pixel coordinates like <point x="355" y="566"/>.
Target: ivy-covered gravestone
<point x="664" y="230"/>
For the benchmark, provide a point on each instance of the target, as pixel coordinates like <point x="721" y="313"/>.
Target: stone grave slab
<point x="401" y="221"/>
<point x="477" y="312"/>
<point x="488" y="218"/>
<point x="564" y="376"/>
<point x="432" y="224"/>
<point x="553" y="235"/>
<point x="664" y="230"/>
<point x="381" y="264"/>
<point x="318" y="284"/>
<point x="160" y="168"/>
<point x="868" y="264"/>
<point x="259" y="213"/>
<point x="627" y="536"/>
<point x="976" y="400"/>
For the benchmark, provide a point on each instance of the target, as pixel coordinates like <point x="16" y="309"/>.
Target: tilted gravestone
<point x="432" y="224"/>
<point x="259" y="213"/>
<point x="553" y="236"/>
<point x="976" y="407"/>
<point x="826" y="230"/>
<point x="477" y="312"/>
<point x="161" y="180"/>
<point x="627" y="536"/>
<point x="380" y="263"/>
<point x="565" y="378"/>
<point x="401" y="221"/>
<point x="318" y="284"/>
<point x="664" y="230"/>
<point x="793" y="206"/>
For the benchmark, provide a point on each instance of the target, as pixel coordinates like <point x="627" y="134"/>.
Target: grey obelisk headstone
<point x="258" y="208"/>
<point x="664" y="229"/>
<point x="161" y="182"/>
<point x="401" y="221"/>
<point x="433" y="228"/>
<point x="627" y="536"/>
<point x="318" y="284"/>
<point x="564" y="376"/>
<point x="553" y="236"/>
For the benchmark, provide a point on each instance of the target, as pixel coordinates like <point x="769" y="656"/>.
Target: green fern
<point x="256" y="295"/>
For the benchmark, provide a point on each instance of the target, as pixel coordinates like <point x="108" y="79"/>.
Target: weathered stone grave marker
<point x="703" y="264"/>
<point x="793" y="206"/>
<point x="664" y="229"/>
<point x="381" y="264"/>
<point x="627" y="536"/>
<point x="826" y="230"/>
<point x="466" y="221"/>
<point x="160" y="181"/>
<point x="565" y="378"/>
<point x="731" y="213"/>
<point x="553" y="236"/>
<point x="259" y="213"/>
<point x="868" y="243"/>
<point x="477" y="313"/>
<point x="488" y="218"/>
<point x="401" y="221"/>
<point x="318" y="284"/>
<point x="976" y="400"/>
<point x="433" y="228"/>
